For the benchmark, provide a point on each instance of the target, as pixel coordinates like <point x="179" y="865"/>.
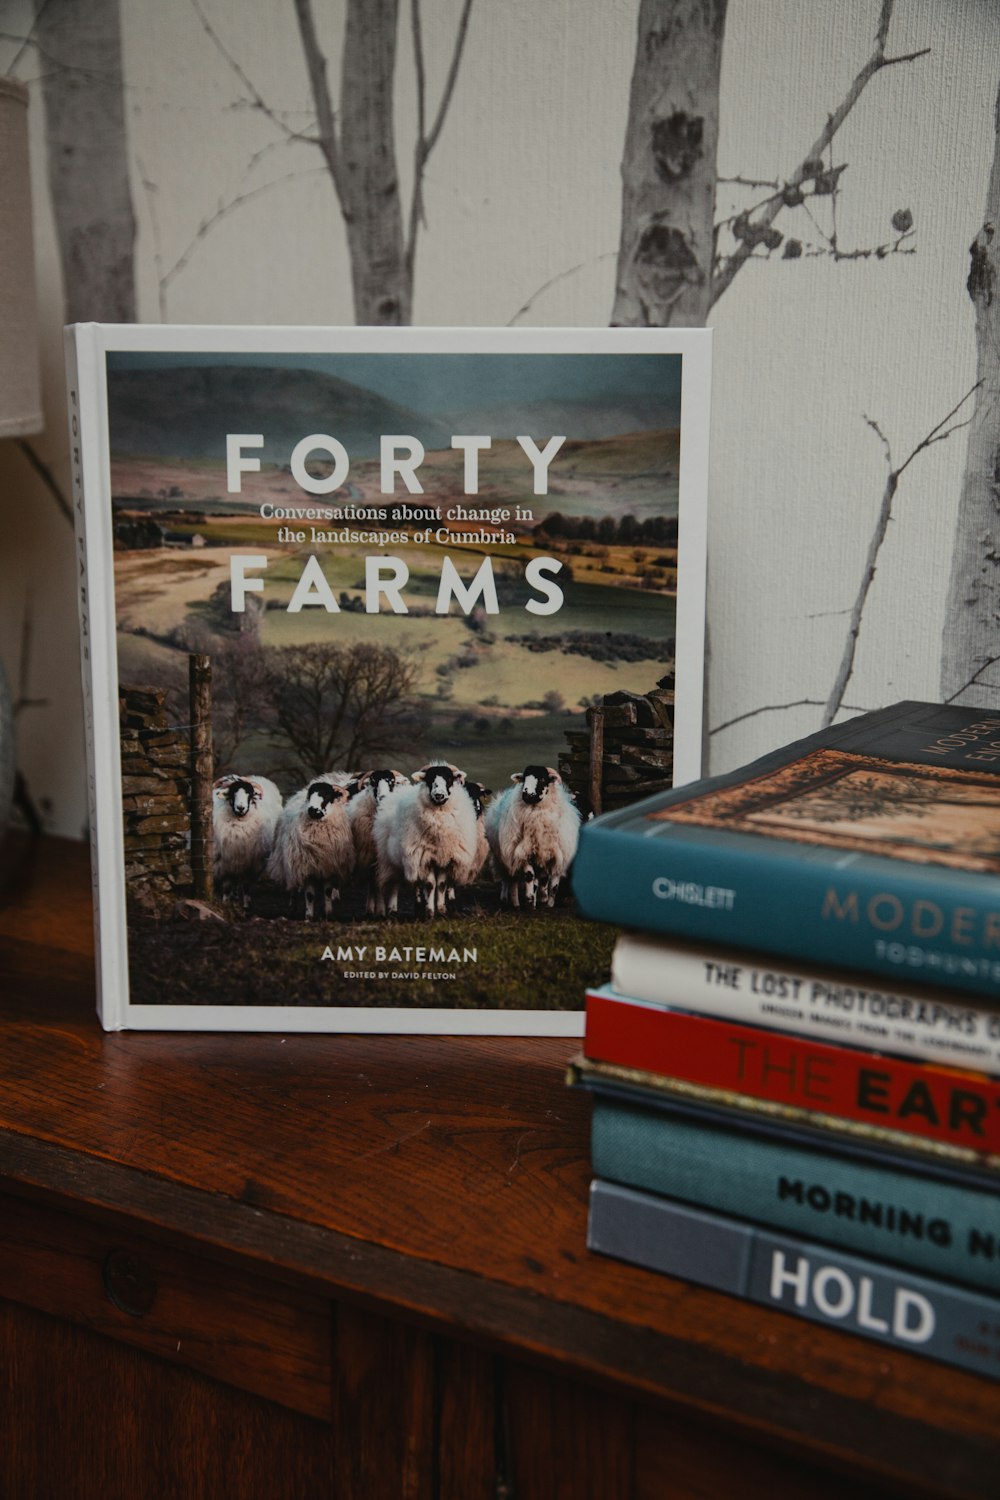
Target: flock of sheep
<point x="432" y="832"/>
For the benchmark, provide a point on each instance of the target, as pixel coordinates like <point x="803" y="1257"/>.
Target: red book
<point x="948" y="1105"/>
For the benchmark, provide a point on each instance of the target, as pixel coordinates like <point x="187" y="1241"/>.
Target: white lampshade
<point x="20" y="397"/>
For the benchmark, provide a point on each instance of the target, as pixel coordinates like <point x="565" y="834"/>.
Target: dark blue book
<point x="932" y="1225"/>
<point x="912" y="1313"/>
<point x="873" y="844"/>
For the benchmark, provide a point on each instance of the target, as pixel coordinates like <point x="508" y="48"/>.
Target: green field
<point x="541" y="961"/>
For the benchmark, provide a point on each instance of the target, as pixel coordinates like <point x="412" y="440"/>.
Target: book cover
<point x="926" y="1022"/>
<point x="874" y="844"/>
<point x="911" y="1313"/>
<point x="339" y="589"/>
<point x="784" y="1124"/>
<point x="836" y="1086"/>
<point x="929" y="1223"/>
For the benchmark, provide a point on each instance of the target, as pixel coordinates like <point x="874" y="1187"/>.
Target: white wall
<point x="523" y="191"/>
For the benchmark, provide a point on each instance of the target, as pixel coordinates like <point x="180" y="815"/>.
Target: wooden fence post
<point x="200" y="688"/>
<point x="595" y="719"/>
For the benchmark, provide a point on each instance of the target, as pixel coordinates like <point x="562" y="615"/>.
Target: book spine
<point x="937" y="1227"/>
<point x="831" y="1007"/>
<point x="932" y="925"/>
<point x="837" y="1083"/>
<point x="910" y="1313"/>
<point x="84" y="382"/>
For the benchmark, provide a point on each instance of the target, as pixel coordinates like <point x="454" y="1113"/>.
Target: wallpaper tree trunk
<point x="972" y="616"/>
<point x="88" y="157"/>
<point x="373" y="214"/>
<point x="668" y="168"/>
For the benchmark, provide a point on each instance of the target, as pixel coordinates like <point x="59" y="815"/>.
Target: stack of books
<point x="796" y="1067"/>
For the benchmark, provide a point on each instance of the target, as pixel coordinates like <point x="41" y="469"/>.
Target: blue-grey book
<point x="912" y="1313"/>
<point x="930" y="1224"/>
<point x="874" y="844"/>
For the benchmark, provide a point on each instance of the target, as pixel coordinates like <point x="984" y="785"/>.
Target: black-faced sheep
<point x="425" y="837"/>
<point x="371" y="790"/>
<point x="245" y="813"/>
<point x="313" y="847"/>
<point x="532" y="830"/>
<point x="477" y="795"/>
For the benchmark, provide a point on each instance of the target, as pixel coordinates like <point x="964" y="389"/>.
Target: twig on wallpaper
<point x="427" y="138"/>
<point x="47" y="477"/>
<point x="810" y="179"/>
<point x="209" y="222"/>
<point x="766" y="708"/>
<point x="257" y="100"/>
<point x="974" y="679"/>
<point x="554" y="281"/>
<point x="937" y="434"/>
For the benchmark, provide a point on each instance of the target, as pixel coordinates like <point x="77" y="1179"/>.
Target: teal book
<point x="873" y="844"/>
<point x="931" y="1225"/>
<point x="916" y="1314"/>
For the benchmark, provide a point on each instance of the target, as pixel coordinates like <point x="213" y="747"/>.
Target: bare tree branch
<point x="750" y="182"/>
<point x="256" y="97"/>
<point x="427" y="140"/>
<point x="356" y="140"/>
<point x="326" y="118"/>
<point x="937" y="434"/>
<point x="878" y="252"/>
<point x="419" y="149"/>
<point x="554" y="280"/>
<point x="971" y="682"/>
<point x="47" y="477"/>
<point x="150" y="189"/>
<point x="45" y="54"/>
<point x="449" y="83"/>
<point x="807" y="168"/>
<point x="767" y="708"/>
<point x="223" y="211"/>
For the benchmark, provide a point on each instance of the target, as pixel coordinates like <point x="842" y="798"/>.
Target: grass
<point x="540" y="961"/>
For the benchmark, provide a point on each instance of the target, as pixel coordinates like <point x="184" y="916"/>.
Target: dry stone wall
<point x="156" y="787"/>
<point x="627" y="750"/>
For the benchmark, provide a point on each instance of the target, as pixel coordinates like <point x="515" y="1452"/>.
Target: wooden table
<point x="300" y="1266"/>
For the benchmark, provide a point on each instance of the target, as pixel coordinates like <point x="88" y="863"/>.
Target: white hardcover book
<point x="933" y="1025"/>
<point x="345" y="598"/>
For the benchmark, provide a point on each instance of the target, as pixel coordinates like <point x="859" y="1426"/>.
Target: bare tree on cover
<point x="80" y="46"/>
<point x="671" y="270"/>
<point x="337" y="706"/>
<point x="240" y="703"/>
<point x="971" y="644"/>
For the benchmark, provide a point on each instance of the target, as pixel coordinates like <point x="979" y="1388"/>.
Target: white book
<point x="933" y="1025"/>
<point x="317" y="561"/>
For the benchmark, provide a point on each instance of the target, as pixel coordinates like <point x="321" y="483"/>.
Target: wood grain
<point x="438" y="1180"/>
<point x="83" y="1417"/>
<point x="274" y="1342"/>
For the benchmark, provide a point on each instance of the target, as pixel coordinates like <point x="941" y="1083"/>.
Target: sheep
<point x="425" y="836"/>
<point x="313" y="847"/>
<point x="532" y="830"/>
<point x="371" y="789"/>
<point x="477" y="794"/>
<point x="245" y="813"/>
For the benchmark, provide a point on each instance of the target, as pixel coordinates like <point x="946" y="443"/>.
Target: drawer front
<point x="233" y="1325"/>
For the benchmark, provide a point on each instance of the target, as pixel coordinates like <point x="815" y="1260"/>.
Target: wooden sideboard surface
<point x="240" y="1266"/>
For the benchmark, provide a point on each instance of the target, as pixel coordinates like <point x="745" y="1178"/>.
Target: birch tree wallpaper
<point x="819" y="182"/>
